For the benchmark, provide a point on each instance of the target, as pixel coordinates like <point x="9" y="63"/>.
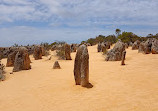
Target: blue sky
<point x="35" y="21"/>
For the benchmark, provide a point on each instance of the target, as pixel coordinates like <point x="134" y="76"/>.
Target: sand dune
<point x="133" y="87"/>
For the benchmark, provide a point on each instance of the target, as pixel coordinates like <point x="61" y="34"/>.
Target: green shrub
<point x="128" y="37"/>
<point x="91" y="41"/>
<point x="111" y="38"/>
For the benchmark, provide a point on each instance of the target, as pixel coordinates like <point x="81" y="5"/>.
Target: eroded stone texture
<point x="73" y="47"/>
<point x="56" y="65"/>
<point x="37" y="52"/>
<point x="126" y="45"/>
<point x="30" y="49"/>
<point x="103" y="47"/>
<point x="147" y="46"/>
<point x="22" y="60"/>
<point x="154" y="47"/>
<point x="67" y="52"/>
<point x="43" y="51"/>
<point x="81" y="66"/>
<point x="107" y="44"/>
<point x="150" y="46"/>
<point x="135" y="45"/>
<point x="5" y="51"/>
<point x="115" y="54"/>
<point x="123" y="57"/>
<point x="99" y="47"/>
<point x="11" y="59"/>
<point x="141" y="47"/>
<point x="2" y="76"/>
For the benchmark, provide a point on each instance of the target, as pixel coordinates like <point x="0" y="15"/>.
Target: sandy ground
<point x="133" y="87"/>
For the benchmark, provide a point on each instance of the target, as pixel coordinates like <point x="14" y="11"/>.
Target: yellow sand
<point x="133" y="87"/>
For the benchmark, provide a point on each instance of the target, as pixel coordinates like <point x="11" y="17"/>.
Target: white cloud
<point x="80" y="10"/>
<point x="92" y="16"/>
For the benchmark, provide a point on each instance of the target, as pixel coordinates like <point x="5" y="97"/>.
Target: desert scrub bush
<point x="128" y="37"/>
<point x="60" y="54"/>
<point x="46" y="46"/>
<point x="2" y="76"/>
<point x="1" y="56"/>
<point x="47" y="53"/>
<point x="60" y="50"/>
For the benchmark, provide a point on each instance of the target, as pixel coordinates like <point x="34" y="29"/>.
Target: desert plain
<point x="132" y="87"/>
